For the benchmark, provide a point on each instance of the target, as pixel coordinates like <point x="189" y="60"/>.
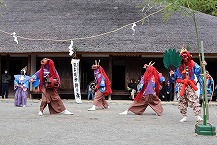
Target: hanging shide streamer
<point x="15" y="37"/>
<point x="76" y="80"/>
<point x="133" y="28"/>
<point x="71" y="49"/>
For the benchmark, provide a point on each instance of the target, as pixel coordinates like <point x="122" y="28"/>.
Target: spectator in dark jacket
<point x="168" y="91"/>
<point x="132" y="88"/>
<point x="6" y="78"/>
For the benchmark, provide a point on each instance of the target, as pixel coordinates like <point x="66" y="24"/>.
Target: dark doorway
<point x="87" y="74"/>
<point x="118" y="77"/>
<point x="14" y="65"/>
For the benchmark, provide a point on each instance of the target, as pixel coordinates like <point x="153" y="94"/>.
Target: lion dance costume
<point x="103" y="88"/>
<point x="148" y="93"/>
<point x="48" y="80"/>
<point x="184" y="76"/>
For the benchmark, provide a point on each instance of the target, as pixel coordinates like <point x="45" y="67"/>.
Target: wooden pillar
<point x="1" y="74"/>
<point x="29" y="65"/>
<point x="110" y="73"/>
<point x="7" y="63"/>
<point x="28" y="73"/>
<point x="31" y="69"/>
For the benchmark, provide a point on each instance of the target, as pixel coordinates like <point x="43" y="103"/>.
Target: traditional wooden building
<point x="100" y="30"/>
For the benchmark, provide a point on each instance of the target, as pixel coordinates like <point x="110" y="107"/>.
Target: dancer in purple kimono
<point x="21" y="86"/>
<point x="49" y="81"/>
<point x="148" y="93"/>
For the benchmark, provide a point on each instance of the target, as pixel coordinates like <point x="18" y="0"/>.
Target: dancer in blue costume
<point x="21" y="87"/>
<point x="184" y="76"/>
<point x="102" y="88"/>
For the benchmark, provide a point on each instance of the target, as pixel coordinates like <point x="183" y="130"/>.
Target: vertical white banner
<point x="76" y="80"/>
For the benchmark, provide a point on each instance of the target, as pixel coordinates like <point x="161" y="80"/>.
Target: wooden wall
<point x="133" y="69"/>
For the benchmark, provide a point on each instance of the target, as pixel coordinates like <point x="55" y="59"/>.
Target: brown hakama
<point x="139" y="106"/>
<point x="52" y="98"/>
<point x="99" y="100"/>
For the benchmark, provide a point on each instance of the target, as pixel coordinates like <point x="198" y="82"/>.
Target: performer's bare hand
<point x="171" y="72"/>
<point x="31" y="80"/>
<point x="204" y="62"/>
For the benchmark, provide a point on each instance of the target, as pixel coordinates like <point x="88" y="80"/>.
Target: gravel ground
<point x="22" y="126"/>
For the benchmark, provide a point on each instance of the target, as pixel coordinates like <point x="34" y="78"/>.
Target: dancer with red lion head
<point x="184" y="76"/>
<point x="103" y="87"/>
<point x="148" y="93"/>
<point x="49" y="81"/>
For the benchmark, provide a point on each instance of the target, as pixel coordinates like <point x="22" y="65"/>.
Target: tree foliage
<point x="204" y="6"/>
<point x="2" y="3"/>
<point x="171" y="6"/>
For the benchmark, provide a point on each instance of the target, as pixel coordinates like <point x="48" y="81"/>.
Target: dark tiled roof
<point x="67" y="19"/>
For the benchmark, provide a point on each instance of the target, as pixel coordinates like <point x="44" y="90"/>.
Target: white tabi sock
<point x="198" y="118"/>
<point x="66" y="112"/>
<point x="184" y="119"/>
<point x="40" y="113"/>
<point x="93" y="108"/>
<point x="124" y="113"/>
